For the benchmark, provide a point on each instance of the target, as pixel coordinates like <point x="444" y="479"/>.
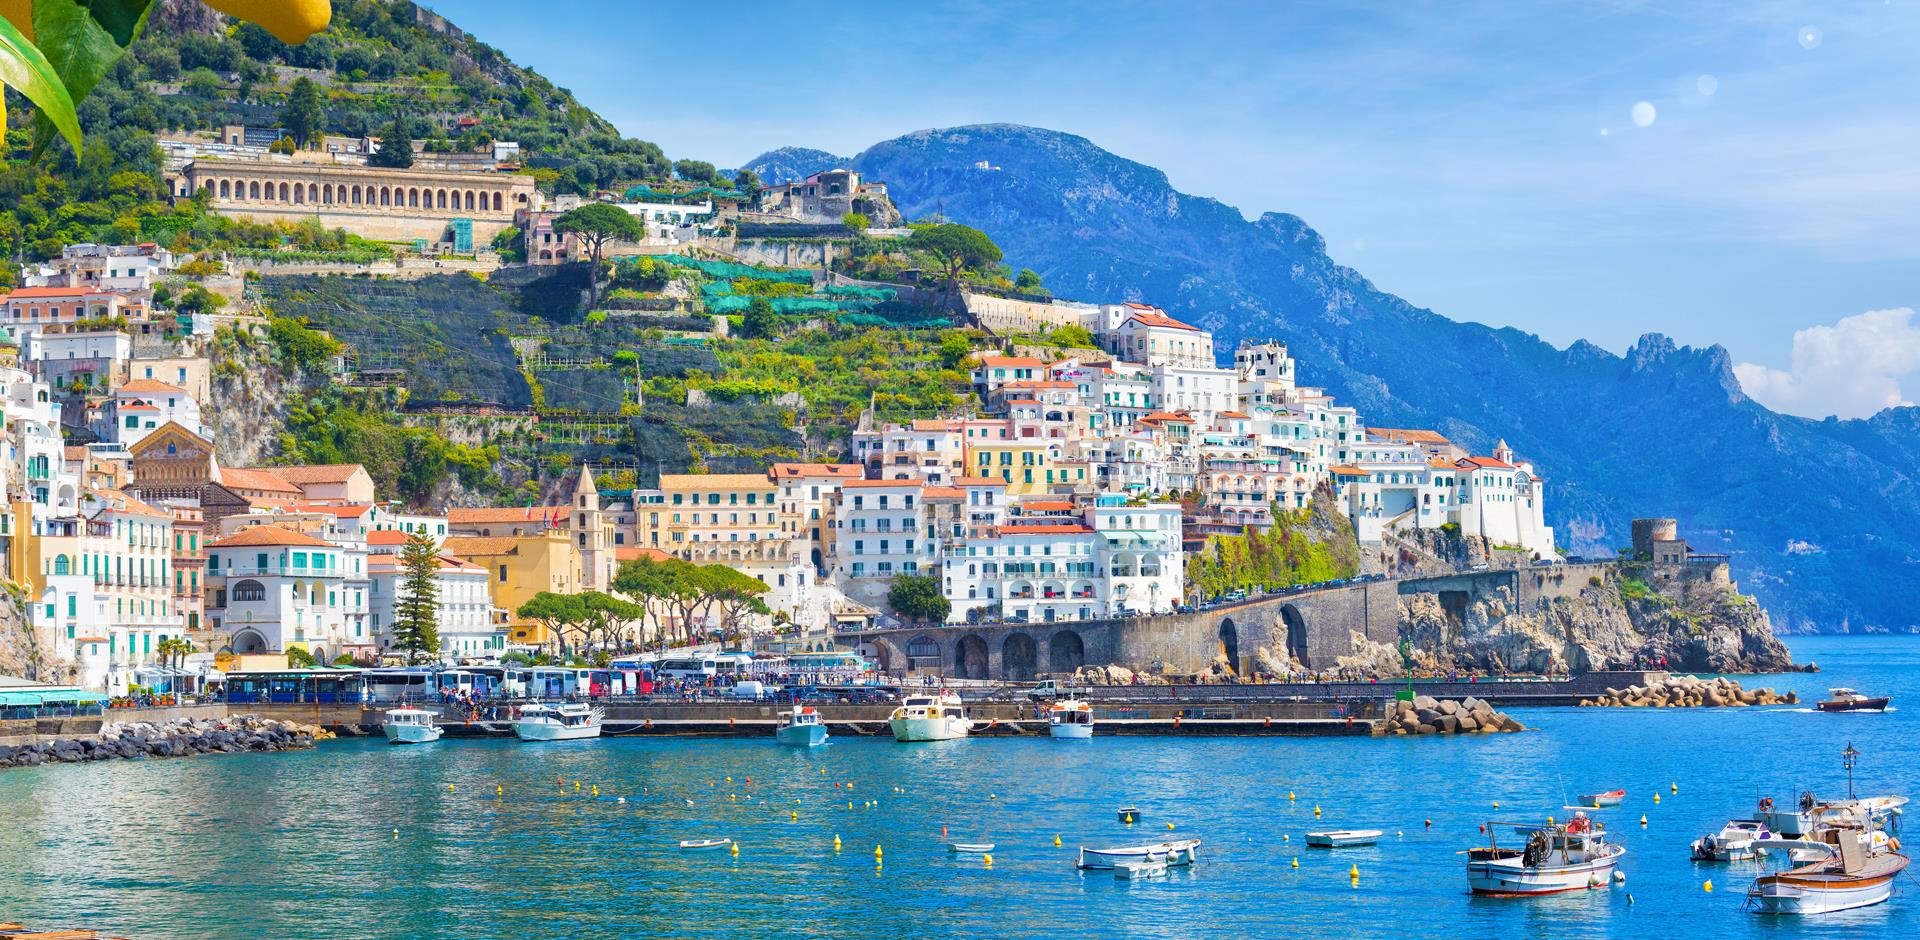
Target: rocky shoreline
<point x="1690" y="692"/>
<point x="180" y="738"/>
<point x="1428" y="715"/>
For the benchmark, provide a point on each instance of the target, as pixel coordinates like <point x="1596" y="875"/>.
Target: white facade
<point x="463" y="606"/>
<point x="272" y="589"/>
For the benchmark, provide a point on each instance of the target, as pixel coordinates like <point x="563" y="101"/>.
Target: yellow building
<point x="707" y="507"/>
<point x="518" y="567"/>
<point x="1026" y="465"/>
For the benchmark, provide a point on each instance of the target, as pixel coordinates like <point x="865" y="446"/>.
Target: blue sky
<point x="1745" y="174"/>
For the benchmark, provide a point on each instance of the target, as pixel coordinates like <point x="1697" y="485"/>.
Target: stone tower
<point x="592" y="533"/>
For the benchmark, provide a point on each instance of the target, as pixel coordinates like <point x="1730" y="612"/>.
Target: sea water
<point x="357" y="838"/>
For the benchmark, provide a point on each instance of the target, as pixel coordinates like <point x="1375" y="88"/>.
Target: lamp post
<point x="1847" y="759"/>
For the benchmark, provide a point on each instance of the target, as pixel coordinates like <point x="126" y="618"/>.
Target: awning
<point x="49" y="697"/>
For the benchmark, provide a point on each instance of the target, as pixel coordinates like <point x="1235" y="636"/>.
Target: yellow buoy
<point x="396" y="833"/>
<point x="1708" y="887"/>
<point x="1316" y="811"/>
<point x="1656" y="797"/>
<point x="876" y="851"/>
<point x="823" y="771"/>
<point x="1289" y="796"/>
<point x="1169" y="827"/>
<point x="1643" y="819"/>
<point x="793" y="815"/>
<point x="1056" y="841"/>
<point x="836" y="842"/>
<point x="988" y="859"/>
<point x="1296" y="863"/>
<point x="499" y="791"/>
<point x="1129" y="819"/>
<point x="729" y="778"/>
<point x="1285" y="838"/>
<point x="576" y="786"/>
<point x="1496" y="804"/>
<point x="993" y="796"/>
<point x="1353" y="875"/>
<point x="449" y="788"/>
<point x="1673" y="788"/>
<point x="1549" y="820"/>
<point x="736" y="848"/>
<point x="849" y="804"/>
<point x="596" y="790"/>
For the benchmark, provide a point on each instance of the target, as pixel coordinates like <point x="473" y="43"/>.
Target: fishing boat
<point x="1570" y="856"/>
<point x="969" y="848"/>
<point x="801" y="727"/>
<point x="569" y="722"/>
<point x="1070" y="718"/>
<point x="1859" y="871"/>
<point x="1847" y="700"/>
<point x="1810" y="813"/>
<point x="701" y="845"/>
<point x="1129" y="871"/>
<point x="1604" y="800"/>
<point x="1737" y="841"/>
<point x="1342" y="838"/>
<point x="410" y="726"/>
<point x="941" y="717"/>
<point x="1175" y="853"/>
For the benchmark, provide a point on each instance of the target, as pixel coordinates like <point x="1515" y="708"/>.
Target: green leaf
<point x="25" y="68"/>
<point x="83" y="40"/>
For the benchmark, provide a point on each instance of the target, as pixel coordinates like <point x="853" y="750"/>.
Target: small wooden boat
<point x="1602" y="800"/>
<point x="1571" y="856"/>
<point x="1342" y="838"/>
<point x="969" y="848"/>
<point x="1176" y="852"/>
<point x="1847" y="700"/>
<point x="1128" y="871"/>
<point x="703" y="844"/>
<point x="1128" y="814"/>
<point x="1859" y="871"/>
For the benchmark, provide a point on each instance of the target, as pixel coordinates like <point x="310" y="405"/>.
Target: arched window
<point x="496" y="202"/>
<point x="61" y="565"/>
<point x="226" y="189"/>
<point x="469" y="200"/>
<point x="283" y="193"/>
<point x="440" y="199"/>
<point x="249" y="590"/>
<point x="413" y="198"/>
<point x="253" y="190"/>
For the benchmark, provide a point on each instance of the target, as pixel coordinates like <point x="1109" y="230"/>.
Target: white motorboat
<point x="701" y="845"/>
<point x="969" y="848"/>
<point x="569" y="722"/>
<point x="1175" y="853"/>
<point x="1070" y="718"/>
<point x="940" y="717"/>
<point x="1343" y="838"/>
<point x="1810" y="814"/>
<point x="1859" y="871"/>
<point x="410" y="726"/>
<point x="1604" y="800"/>
<point x="801" y="727"/>
<point x="1571" y="856"/>
<point x="1737" y="841"/>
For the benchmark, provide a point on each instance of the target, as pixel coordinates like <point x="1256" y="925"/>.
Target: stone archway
<point x="1019" y="658"/>
<point x="1230" y="644"/>
<point x="1066" y="652"/>
<point x="248" y="641"/>
<point x="970" y="657"/>
<point x="1296" y="625"/>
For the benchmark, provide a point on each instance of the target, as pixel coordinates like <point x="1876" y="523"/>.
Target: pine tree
<point x="416" y="621"/>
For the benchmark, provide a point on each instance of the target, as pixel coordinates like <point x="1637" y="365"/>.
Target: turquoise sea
<point x="305" y="845"/>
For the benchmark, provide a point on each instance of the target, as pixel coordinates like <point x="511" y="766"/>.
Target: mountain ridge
<point x="1659" y="430"/>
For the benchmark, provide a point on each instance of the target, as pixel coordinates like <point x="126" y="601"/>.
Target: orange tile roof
<point x="387" y="537"/>
<point x="1047" y="505"/>
<point x="943" y="492"/>
<point x="501" y="514"/>
<point x="248" y="478"/>
<point x="35" y="293"/>
<point x="481" y="545"/>
<point x="318" y="473"/>
<point x="935" y="424"/>
<point x="266" y="535"/>
<point x="636" y="552"/>
<point x="1347" y="470"/>
<point x="140" y="386"/>
<point x="1487" y="463"/>
<point x="121" y="501"/>
<point x="1232" y="414"/>
<point x="867" y="484"/>
<point x="1161" y="320"/>
<point x="338" y="510"/>
<point x="844" y="470"/>
<point x="1163" y="416"/>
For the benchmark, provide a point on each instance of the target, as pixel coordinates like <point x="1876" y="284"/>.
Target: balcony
<point x="292" y="571"/>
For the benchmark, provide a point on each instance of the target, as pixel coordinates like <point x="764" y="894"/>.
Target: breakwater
<point x="182" y="737"/>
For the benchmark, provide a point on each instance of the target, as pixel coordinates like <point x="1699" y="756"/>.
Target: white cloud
<point x="1852" y="368"/>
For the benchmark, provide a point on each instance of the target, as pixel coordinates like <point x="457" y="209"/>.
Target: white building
<point x="143" y="406"/>
<point x="274" y="589"/>
<point x="463" y="607"/>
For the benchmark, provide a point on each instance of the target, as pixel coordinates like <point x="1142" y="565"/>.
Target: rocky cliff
<point x="251" y="393"/>
<point x="1615" y="621"/>
<point x="23" y="652"/>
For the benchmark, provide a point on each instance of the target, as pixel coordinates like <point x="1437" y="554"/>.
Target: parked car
<point x="1049" y="690"/>
<point x="1184" y="609"/>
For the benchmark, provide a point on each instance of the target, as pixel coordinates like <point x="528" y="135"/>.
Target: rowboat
<point x="1176" y="852"/>
<point x="969" y="848"/>
<point x="1128" y="871"/>
<point x="1571" y="856"/>
<point x="703" y="844"/>
<point x="1342" y="838"/>
<point x="1603" y="800"/>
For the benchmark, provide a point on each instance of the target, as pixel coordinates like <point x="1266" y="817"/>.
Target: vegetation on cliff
<point x="1304" y="546"/>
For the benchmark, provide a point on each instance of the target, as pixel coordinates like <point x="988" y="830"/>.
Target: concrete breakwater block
<point x="1690" y="692"/>
<point x="1427" y="715"/>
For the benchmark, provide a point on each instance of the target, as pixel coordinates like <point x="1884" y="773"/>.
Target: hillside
<point x="1822" y="517"/>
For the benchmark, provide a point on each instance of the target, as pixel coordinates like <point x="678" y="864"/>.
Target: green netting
<point x="895" y="322"/>
<point x="728" y="270"/>
<point x="645" y="193"/>
<point x="865" y="293"/>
